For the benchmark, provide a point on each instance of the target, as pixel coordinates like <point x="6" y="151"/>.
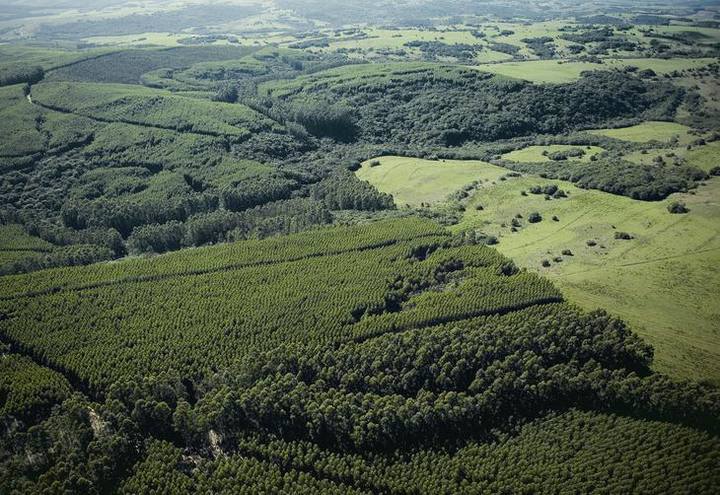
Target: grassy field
<point x="414" y="181"/>
<point x="557" y="71"/>
<point x="703" y="157"/>
<point x="396" y="38"/>
<point x="664" y="282"/>
<point x="534" y="154"/>
<point x="648" y="131"/>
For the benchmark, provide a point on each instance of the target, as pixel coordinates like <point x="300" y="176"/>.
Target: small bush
<point x="545" y="263"/>
<point x="591" y="242"/>
<point x="623" y="235"/>
<point x="677" y="207"/>
<point x="534" y="217"/>
<point x="550" y="189"/>
<point x="375" y="163"/>
<point x="479" y="207"/>
<point x="715" y="171"/>
<point x="567" y="252"/>
<point x="555" y="218"/>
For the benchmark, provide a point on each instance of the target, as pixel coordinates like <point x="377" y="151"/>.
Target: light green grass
<point x="533" y="30"/>
<point x="665" y="282"/>
<point x="558" y="71"/>
<point x="413" y="181"/>
<point x="534" y="154"/>
<point x="647" y="131"/>
<point x="396" y="38"/>
<point x="703" y="157"/>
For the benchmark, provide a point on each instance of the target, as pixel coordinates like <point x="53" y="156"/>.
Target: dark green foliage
<point x="359" y="280"/>
<point x="591" y="243"/>
<point x="566" y="154"/>
<point x="344" y="191"/>
<point x="545" y="263"/>
<point x="505" y="48"/>
<point x="156" y="238"/>
<point x="435" y="385"/>
<point x="27" y="390"/>
<point x="623" y="236"/>
<point x="580" y="451"/>
<point x="589" y="36"/>
<point x="227" y="93"/>
<point x="677" y="207"/>
<point x="433" y="50"/>
<point x="543" y="46"/>
<point x="325" y="120"/>
<point x="401" y="350"/>
<point x="534" y="217"/>
<point x="72" y="255"/>
<point x="21" y="74"/>
<point x="618" y="176"/>
<point x="404" y="106"/>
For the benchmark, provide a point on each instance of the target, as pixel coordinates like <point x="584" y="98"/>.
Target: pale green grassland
<point x="396" y="38"/>
<point x="664" y="282"/>
<point x="703" y="157"/>
<point x="534" y="30"/>
<point x="648" y="131"/>
<point x="534" y="154"/>
<point x="413" y="181"/>
<point x="558" y="71"/>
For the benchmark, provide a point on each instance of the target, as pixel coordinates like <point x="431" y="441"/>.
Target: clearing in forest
<point x="413" y="181"/>
<point x="664" y="281"/>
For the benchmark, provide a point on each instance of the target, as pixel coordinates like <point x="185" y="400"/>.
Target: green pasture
<point x="534" y="154"/>
<point x="648" y="131"/>
<point x="561" y="71"/>
<point x="413" y="181"/>
<point x="664" y="282"/>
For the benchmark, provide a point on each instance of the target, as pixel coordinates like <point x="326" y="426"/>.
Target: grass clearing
<point x="378" y="39"/>
<point x="648" y="131"/>
<point x="413" y="181"/>
<point x="664" y="281"/>
<point x="534" y="154"/>
<point x="559" y="71"/>
<point x="703" y="157"/>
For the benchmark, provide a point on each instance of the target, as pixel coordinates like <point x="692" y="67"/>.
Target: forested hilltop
<point x="291" y="247"/>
